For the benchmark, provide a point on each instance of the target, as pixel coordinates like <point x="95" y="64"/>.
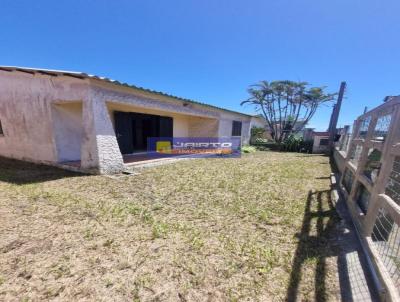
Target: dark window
<point x="1" y="129"/>
<point x="324" y="142"/>
<point x="236" y="128"/>
<point x="362" y="198"/>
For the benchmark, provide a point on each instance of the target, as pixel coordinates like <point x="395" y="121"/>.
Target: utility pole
<point x="335" y="115"/>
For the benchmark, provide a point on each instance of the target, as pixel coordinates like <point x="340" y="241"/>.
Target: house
<point x="73" y="119"/>
<point x="321" y="142"/>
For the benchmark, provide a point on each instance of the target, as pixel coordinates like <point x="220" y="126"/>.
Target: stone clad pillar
<point x="100" y="152"/>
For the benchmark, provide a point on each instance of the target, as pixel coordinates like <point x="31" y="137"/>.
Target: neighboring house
<point x="321" y="142"/>
<point x="62" y="117"/>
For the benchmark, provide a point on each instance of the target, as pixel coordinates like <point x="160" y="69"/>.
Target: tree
<point x="286" y="105"/>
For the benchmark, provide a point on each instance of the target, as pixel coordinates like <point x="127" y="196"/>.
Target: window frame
<point x="236" y="129"/>
<point x="325" y="140"/>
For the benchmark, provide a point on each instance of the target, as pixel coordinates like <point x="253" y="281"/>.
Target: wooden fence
<point x="369" y="162"/>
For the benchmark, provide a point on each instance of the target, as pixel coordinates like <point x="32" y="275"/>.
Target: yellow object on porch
<point x="163" y="147"/>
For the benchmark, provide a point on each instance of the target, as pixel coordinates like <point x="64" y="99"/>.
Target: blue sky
<point x="212" y="50"/>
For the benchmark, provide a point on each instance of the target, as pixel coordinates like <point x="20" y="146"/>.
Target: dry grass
<point x="201" y="230"/>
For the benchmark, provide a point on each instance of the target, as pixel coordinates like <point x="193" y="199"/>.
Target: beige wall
<point x="68" y="130"/>
<point x="25" y="113"/>
<point x="203" y="127"/>
<point x="225" y="126"/>
<point x="317" y="148"/>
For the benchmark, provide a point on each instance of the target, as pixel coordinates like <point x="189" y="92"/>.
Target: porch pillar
<point x="100" y="152"/>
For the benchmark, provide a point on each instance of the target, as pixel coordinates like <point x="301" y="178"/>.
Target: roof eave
<point x="83" y="75"/>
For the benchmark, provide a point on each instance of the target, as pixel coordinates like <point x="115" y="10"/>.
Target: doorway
<point x="134" y="129"/>
<point x="68" y="131"/>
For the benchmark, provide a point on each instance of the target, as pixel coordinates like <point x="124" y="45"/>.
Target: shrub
<point x="257" y="131"/>
<point x="273" y="146"/>
<point x="260" y="140"/>
<point x="295" y="143"/>
<point x="257" y="134"/>
<point x="248" y="149"/>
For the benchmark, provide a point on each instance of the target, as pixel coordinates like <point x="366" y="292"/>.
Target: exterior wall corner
<point x="100" y="151"/>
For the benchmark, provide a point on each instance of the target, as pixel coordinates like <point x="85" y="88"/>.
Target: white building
<point x="74" y="119"/>
<point x="321" y="142"/>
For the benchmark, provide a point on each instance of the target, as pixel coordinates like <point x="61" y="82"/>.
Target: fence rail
<point x="369" y="161"/>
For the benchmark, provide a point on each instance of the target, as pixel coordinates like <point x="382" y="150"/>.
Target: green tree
<point x="286" y="105"/>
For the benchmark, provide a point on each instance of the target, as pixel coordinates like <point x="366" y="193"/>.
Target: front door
<point x="166" y="126"/>
<point x="133" y="130"/>
<point x="123" y="131"/>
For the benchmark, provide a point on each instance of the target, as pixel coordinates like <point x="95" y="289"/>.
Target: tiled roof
<point x="83" y="75"/>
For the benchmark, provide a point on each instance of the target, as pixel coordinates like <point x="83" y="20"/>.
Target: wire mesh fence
<point x="386" y="238"/>
<point x="371" y="178"/>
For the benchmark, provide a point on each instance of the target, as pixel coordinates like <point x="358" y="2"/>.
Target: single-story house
<point x="321" y="142"/>
<point x="61" y="117"/>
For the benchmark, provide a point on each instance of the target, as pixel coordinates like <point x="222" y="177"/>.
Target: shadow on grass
<point x="330" y="240"/>
<point x="20" y="172"/>
<point x="316" y="246"/>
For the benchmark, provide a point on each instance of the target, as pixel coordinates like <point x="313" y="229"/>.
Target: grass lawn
<point x="259" y="228"/>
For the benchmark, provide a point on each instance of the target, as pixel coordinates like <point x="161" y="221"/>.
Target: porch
<point x="121" y="133"/>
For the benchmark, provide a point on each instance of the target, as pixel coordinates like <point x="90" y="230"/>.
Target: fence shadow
<point x="20" y="172"/>
<point x="315" y="246"/>
<point x="327" y="231"/>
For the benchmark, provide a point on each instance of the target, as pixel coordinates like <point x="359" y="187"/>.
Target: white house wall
<point x="68" y="131"/>
<point x="25" y="113"/>
<point x="34" y="109"/>
<point x="100" y="151"/>
<point x="225" y="126"/>
<point x="317" y="147"/>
